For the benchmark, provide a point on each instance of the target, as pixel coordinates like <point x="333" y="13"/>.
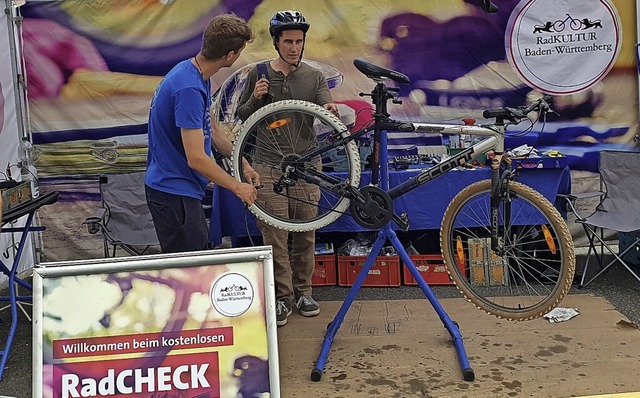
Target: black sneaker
<point x="308" y="306"/>
<point x="282" y="312"/>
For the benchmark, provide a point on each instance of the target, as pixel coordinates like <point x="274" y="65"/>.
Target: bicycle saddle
<point x="374" y="71"/>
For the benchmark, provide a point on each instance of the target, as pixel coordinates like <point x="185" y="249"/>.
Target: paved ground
<point x="399" y="349"/>
<point x="617" y="286"/>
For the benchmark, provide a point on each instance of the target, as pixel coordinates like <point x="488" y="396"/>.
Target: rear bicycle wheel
<point x="536" y="267"/>
<point x="273" y="140"/>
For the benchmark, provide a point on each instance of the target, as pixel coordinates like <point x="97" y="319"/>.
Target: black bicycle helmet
<point x="287" y="20"/>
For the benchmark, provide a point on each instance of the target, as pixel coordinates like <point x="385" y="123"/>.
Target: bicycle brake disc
<point x="374" y="210"/>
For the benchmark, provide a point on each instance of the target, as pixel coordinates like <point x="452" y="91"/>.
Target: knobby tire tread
<point x="564" y="237"/>
<point x="351" y="150"/>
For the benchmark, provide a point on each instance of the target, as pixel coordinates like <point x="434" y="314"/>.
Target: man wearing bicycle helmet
<point x="282" y="78"/>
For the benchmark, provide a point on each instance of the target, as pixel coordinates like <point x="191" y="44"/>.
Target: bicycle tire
<point x="537" y="268"/>
<point x="259" y="126"/>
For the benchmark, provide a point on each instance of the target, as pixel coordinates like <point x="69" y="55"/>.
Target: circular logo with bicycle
<point x="232" y="294"/>
<point x="563" y="47"/>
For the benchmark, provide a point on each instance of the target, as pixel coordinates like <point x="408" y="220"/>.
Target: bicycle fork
<point x="500" y="194"/>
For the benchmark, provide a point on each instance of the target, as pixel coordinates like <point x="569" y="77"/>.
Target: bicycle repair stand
<point x="386" y="233"/>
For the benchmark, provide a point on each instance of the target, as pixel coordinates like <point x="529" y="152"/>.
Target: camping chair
<point x="123" y="218"/>
<point x="618" y="210"/>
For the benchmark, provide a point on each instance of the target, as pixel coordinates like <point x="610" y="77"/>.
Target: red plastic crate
<point x="431" y="267"/>
<point x="384" y="272"/>
<point x="325" y="271"/>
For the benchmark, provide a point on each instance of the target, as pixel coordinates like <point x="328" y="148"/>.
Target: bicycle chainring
<point x="374" y="210"/>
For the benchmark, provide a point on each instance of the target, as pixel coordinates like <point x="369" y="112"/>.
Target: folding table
<point x="28" y="209"/>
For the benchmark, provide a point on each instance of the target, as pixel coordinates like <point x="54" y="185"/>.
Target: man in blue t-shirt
<point x="179" y="163"/>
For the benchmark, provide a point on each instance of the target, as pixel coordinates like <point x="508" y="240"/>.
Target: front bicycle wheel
<point x="298" y="193"/>
<point x="558" y="26"/>
<point x="534" y="268"/>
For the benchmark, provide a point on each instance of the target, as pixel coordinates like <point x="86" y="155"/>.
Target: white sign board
<point x="563" y="47"/>
<point x="191" y="325"/>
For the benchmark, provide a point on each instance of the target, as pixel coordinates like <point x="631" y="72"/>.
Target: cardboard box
<point x="325" y="271"/>
<point x="385" y="271"/>
<point x="432" y="269"/>
<point x="486" y="267"/>
<point x="15" y="195"/>
<point x="477" y="262"/>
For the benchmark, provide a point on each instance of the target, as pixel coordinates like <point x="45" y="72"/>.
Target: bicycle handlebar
<point x="515" y="115"/>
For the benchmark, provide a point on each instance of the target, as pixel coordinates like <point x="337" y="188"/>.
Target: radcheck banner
<point x="201" y="325"/>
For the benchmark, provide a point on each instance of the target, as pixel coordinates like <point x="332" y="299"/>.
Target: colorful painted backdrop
<point x="93" y="66"/>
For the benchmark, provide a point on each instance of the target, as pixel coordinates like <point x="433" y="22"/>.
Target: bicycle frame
<point x="499" y="217"/>
<point x="494" y="141"/>
<point x="383" y="122"/>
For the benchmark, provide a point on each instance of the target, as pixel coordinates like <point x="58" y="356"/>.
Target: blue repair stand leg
<point x="385" y="234"/>
<point x="452" y="327"/>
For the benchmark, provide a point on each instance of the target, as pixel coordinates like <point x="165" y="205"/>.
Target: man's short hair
<point x="225" y="33"/>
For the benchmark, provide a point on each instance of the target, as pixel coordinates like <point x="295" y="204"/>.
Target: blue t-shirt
<point x="182" y="100"/>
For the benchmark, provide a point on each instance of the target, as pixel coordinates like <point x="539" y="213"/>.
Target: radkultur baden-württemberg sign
<point x="563" y="47"/>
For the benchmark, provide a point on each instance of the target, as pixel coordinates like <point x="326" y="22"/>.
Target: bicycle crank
<point x="373" y="209"/>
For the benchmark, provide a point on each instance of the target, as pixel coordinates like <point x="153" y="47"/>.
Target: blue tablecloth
<point x="425" y="206"/>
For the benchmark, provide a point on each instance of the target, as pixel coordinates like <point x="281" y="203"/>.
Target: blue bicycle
<point x="505" y="246"/>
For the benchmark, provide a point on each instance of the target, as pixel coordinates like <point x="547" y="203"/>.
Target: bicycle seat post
<point x="379" y="97"/>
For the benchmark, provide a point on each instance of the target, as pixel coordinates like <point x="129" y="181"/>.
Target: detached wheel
<point x="273" y="138"/>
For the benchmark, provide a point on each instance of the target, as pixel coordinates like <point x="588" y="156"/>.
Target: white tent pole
<point x="637" y="54"/>
<point x="15" y="32"/>
<point x="19" y="83"/>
